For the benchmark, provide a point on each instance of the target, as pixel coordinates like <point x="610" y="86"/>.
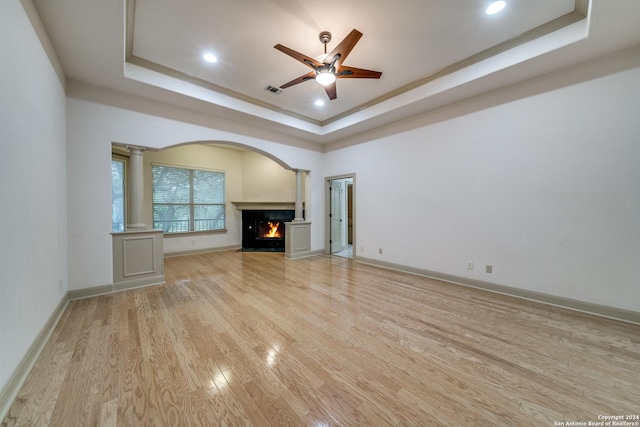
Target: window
<point x="187" y="199"/>
<point x="117" y="194"/>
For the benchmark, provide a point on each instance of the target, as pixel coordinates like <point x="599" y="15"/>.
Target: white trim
<point x="202" y="251"/>
<point x="12" y="387"/>
<point x="568" y="303"/>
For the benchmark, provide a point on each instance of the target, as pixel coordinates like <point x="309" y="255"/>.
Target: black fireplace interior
<point x="263" y="230"/>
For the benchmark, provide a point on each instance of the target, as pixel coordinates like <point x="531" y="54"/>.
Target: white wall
<point x="33" y="251"/>
<point x="92" y="128"/>
<point x="545" y="188"/>
<point x="89" y="207"/>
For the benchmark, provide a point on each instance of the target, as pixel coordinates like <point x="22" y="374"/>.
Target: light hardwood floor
<point x="253" y="339"/>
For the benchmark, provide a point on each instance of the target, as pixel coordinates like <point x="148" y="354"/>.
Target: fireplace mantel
<point x="264" y="206"/>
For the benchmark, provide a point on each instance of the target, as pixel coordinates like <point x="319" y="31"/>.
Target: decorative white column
<point x="297" y="236"/>
<point x="298" y="206"/>
<point x="136" y="188"/>
<point x="138" y="253"/>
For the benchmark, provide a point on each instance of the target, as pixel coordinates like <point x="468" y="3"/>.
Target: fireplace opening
<point x="270" y="230"/>
<point x="264" y="230"/>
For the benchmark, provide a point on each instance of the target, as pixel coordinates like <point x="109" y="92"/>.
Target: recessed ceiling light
<point x="495" y="7"/>
<point x="319" y="103"/>
<point x="210" y="57"/>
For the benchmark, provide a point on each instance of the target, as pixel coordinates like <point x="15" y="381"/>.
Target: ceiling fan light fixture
<point x="325" y="77"/>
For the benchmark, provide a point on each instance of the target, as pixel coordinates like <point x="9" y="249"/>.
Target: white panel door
<point x="337" y="215"/>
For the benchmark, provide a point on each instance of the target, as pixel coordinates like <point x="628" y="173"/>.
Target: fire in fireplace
<point x="271" y="230"/>
<point x="263" y="230"/>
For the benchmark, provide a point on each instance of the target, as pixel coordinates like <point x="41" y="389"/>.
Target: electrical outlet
<point x="361" y="248"/>
<point x="193" y="242"/>
<point x="489" y="269"/>
<point x="470" y="265"/>
<point x="380" y="251"/>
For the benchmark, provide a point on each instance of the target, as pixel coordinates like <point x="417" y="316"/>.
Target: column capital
<point x="134" y="149"/>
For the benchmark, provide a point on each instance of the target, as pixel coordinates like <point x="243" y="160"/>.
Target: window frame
<point x="191" y="205"/>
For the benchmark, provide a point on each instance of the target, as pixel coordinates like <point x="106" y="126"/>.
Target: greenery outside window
<point x="118" y="167"/>
<point x="187" y="199"/>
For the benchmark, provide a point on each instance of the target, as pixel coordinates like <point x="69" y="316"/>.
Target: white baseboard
<point x="138" y="283"/>
<point x="117" y="287"/>
<point x="571" y="304"/>
<point x="299" y="255"/>
<point x="202" y="251"/>
<point x="89" y="292"/>
<point x="10" y="390"/>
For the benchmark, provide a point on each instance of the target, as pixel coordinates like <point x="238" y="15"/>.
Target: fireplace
<point x="263" y="230"/>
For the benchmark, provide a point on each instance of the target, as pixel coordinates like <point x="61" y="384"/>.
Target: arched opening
<point x="194" y="223"/>
<point x="231" y="145"/>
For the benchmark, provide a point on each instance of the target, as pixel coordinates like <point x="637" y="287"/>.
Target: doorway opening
<point x="340" y="215"/>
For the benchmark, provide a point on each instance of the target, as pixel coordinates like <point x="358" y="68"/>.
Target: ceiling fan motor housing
<point x="325" y="37"/>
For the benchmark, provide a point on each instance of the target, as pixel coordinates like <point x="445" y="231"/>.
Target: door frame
<point x="327" y="211"/>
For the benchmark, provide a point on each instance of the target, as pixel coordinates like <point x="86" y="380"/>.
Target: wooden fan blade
<point x="311" y="75"/>
<point x="344" y="48"/>
<point x="357" y="73"/>
<point x="306" y="60"/>
<point x="331" y="91"/>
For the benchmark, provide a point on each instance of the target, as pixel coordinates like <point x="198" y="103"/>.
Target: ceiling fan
<point x="331" y="68"/>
